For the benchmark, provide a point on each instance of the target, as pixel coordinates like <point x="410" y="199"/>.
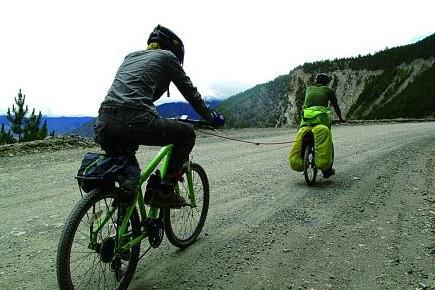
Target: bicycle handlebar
<point x="201" y="124"/>
<point x="335" y="122"/>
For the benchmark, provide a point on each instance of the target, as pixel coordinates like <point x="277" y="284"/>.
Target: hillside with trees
<point x="261" y="106"/>
<point x="394" y="83"/>
<point x="415" y="101"/>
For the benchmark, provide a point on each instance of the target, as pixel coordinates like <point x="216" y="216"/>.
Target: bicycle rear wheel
<point x="310" y="170"/>
<point x="183" y="226"/>
<point x="83" y="263"/>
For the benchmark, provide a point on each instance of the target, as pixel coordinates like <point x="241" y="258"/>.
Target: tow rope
<point x="244" y="141"/>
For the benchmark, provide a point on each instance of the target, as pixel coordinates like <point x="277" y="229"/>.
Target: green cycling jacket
<point x="316" y="115"/>
<point x="316" y="110"/>
<point x="318" y="95"/>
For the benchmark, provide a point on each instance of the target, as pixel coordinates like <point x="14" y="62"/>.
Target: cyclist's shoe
<point x="328" y="172"/>
<point x="167" y="200"/>
<point x="165" y="197"/>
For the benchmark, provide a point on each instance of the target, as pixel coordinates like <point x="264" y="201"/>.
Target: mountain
<point x="171" y="110"/>
<point x="85" y="130"/>
<point x="393" y="83"/>
<point x="60" y="125"/>
<point x="168" y="110"/>
<point x="261" y="106"/>
<point x="84" y="126"/>
<point x="64" y="125"/>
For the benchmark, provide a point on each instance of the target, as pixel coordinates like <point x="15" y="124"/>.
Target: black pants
<point x="121" y="131"/>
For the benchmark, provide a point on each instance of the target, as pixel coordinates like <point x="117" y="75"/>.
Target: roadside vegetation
<point x="22" y="128"/>
<point x="382" y="97"/>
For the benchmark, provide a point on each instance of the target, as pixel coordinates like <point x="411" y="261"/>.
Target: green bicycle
<point x="100" y="244"/>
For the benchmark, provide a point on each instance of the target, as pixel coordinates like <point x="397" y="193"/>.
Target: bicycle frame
<point x="125" y="240"/>
<point x="102" y="238"/>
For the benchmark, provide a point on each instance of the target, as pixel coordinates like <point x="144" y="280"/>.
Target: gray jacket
<point x="144" y="76"/>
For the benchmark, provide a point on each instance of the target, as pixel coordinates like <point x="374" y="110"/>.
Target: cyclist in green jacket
<point x="316" y="110"/>
<point x="317" y="98"/>
<point x="128" y="117"/>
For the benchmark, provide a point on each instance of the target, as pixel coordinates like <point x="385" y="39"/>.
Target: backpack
<point x="101" y="170"/>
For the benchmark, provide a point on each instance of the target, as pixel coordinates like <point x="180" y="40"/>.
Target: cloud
<point x="64" y="54"/>
<point x="226" y="88"/>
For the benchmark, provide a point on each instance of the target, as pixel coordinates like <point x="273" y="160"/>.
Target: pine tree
<point x="2" y="135"/>
<point x="27" y="129"/>
<point x="43" y="132"/>
<point x="17" y="117"/>
<point x="6" y="137"/>
<point x="31" y="127"/>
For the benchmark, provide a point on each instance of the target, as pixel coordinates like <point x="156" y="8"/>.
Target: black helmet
<point x="322" y="79"/>
<point x="168" y="41"/>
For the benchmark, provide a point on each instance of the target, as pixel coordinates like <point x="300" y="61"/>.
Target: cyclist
<point x="128" y="117"/>
<point x="316" y="113"/>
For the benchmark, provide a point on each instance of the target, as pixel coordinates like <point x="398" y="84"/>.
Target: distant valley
<point x="167" y="110"/>
<point x="394" y="83"/>
<point x="60" y="125"/>
<point x="84" y="126"/>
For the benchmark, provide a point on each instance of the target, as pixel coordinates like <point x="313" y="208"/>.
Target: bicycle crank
<point x="107" y="250"/>
<point x="155" y="232"/>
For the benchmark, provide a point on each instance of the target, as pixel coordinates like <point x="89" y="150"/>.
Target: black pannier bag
<point x="101" y="170"/>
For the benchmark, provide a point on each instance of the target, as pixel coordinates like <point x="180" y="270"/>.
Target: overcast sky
<point x="64" y="54"/>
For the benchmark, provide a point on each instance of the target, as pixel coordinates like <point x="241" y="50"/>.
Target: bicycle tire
<point x="309" y="165"/>
<point x="176" y="228"/>
<point x="79" y="214"/>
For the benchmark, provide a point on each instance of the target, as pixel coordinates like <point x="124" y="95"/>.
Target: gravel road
<point x="371" y="226"/>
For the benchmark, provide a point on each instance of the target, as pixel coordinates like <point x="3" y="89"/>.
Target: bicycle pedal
<point x="155" y="228"/>
<point x="181" y="206"/>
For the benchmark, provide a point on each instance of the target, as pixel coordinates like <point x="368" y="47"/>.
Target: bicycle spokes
<point x="184" y="221"/>
<point x="97" y="262"/>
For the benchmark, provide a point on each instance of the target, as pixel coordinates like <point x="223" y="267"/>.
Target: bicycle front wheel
<point x="183" y="226"/>
<point x="87" y="258"/>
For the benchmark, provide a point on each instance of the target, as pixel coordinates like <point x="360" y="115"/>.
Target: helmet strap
<point x="153" y="45"/>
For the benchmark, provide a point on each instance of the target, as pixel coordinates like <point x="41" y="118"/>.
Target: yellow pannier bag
<point x="295" y="157"/>
<point x="322" y="148"/>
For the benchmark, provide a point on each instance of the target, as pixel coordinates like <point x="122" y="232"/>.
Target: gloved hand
<point x="218" y="119"/>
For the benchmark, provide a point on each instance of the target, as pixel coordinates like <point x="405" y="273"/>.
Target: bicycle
<point x="100" y="243"/>
<point x="308" y="154"/>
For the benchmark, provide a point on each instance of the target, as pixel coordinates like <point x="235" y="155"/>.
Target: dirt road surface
<point x="371" y="226"/>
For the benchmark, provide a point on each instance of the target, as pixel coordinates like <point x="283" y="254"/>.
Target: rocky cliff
<point x="349" y="86"/>
<point x="394" y="83"/>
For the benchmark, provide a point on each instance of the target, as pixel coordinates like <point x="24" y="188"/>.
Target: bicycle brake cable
<point x="244" y="141"/>
<point x="146" y="251"/>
